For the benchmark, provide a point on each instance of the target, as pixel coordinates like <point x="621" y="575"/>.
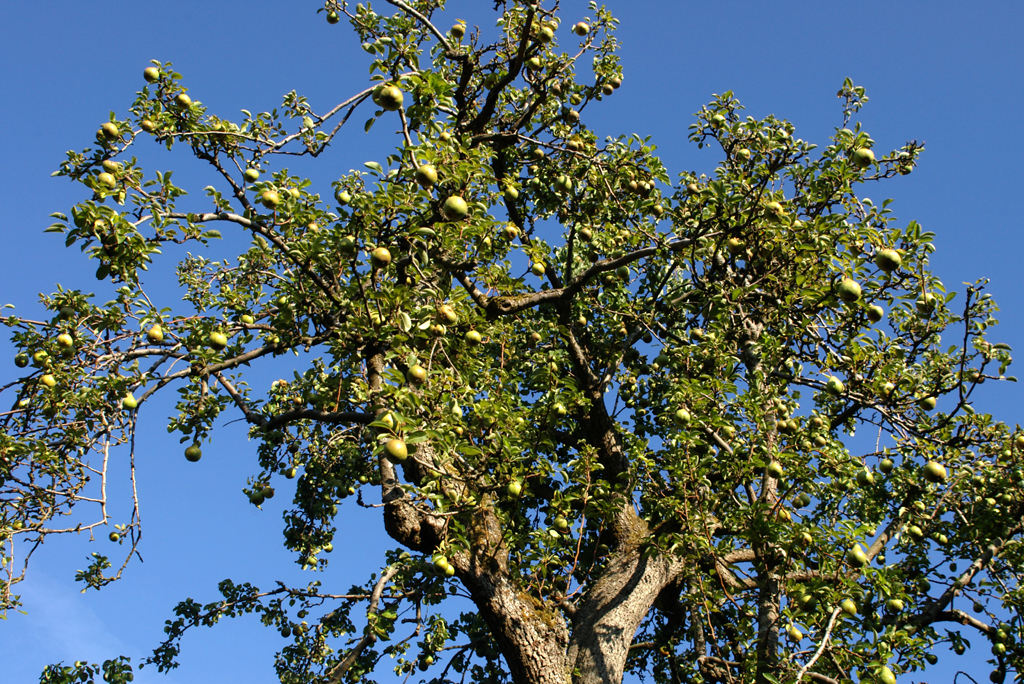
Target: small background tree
<point x="667" y="487"/>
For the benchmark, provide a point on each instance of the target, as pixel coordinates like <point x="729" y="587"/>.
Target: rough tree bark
<point x="607" y="620"/>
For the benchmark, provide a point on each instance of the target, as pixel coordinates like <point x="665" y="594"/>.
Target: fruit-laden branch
<point x="288" y="417"/>
<point x="608" y="375"/>
<point x="507" y="305"/>
<point x="241" y="599"/>
<point x="355" y="100"/>
<point x="412" y="11"/>
<point x="858" y="401"/>
<point x="897" y="521"/>
<point x="476" y="126"/>
<point x="259" y="227"/>
<point x="416" y="529"/>
<point x="165" y="380"/>
<point x="212" y="369"/>
<point x="275" y="147"/>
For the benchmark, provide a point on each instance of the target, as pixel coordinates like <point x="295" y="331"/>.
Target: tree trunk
<point x="768" y="626"/>
<point x="607" y="621"/>
<point x="532" y="637"/>
<point x="769" y="596"/>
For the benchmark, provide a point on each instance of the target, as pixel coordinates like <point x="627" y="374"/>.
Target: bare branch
<point x="343" y="417"/>
<point x="821" y="647"/>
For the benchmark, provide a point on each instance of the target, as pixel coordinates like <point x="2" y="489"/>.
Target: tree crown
<point x="614" y="408"/>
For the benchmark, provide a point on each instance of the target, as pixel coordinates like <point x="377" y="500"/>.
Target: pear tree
<point x="614" y="408"/>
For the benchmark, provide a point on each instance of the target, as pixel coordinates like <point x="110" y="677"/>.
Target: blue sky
<point x="934" y="71"/>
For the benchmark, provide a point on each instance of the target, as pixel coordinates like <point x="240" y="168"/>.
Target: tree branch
<point x="821" y="646"/>
<point x="956" y="615"/>
<point x="504" y="306"/>
<point x="938" y="605"/>
<point x="340" y="417"/>
<point x="240" y="401"/>
<point x="259" y="227"/>
<point x="369" y="637"/>
<point x="426" y="22"/>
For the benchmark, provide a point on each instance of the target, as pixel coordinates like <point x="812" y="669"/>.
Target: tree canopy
<point x="614" y="409"/>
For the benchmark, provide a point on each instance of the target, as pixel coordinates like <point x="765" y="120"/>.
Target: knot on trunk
<point x="714" y="669"/>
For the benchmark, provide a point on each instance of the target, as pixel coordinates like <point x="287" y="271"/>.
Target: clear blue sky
<point x="947" y="73"/>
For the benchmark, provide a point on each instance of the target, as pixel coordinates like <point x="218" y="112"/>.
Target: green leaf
<point x="416" y="437"/>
